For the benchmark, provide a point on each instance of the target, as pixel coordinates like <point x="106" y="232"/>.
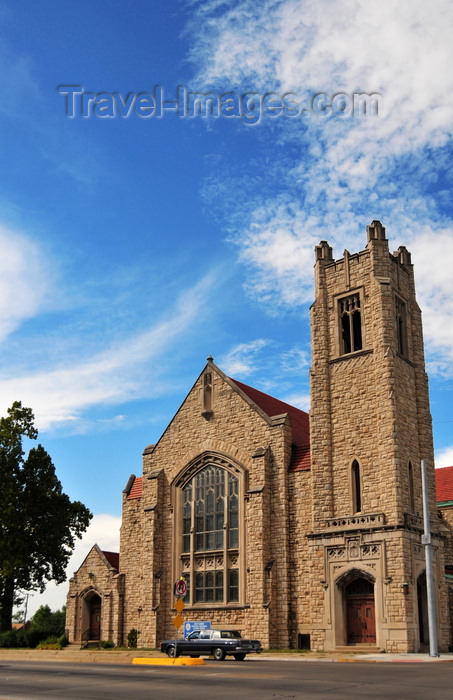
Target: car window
<point x="194" y="635"/>
<point x="230" y="634"/>
<point x="204" y="635"/>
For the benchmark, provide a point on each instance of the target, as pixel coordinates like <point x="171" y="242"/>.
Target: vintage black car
<point x="214" y="642"/>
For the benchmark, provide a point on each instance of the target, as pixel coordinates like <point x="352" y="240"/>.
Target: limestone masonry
<point x="301" y="531"/>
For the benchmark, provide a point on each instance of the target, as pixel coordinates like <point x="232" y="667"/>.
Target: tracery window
<point x="210" y="536"/>
<point x="350" y="323"/>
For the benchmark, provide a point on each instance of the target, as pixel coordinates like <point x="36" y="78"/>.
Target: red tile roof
<point x="444" y="484"/>
<point x="136" y="489"/>
<point x="113" y="559"/>
<point x="300" y="423"/>
<point x="300" y="460"/>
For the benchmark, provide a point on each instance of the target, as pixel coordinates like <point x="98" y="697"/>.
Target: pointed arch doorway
<point x="94" y="612"/>
<point x="360" y="612"/>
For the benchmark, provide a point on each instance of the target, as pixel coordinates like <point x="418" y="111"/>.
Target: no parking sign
<point x="181" y="587"/>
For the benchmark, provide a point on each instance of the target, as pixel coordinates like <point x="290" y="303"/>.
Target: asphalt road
<point x="250" y="680"/>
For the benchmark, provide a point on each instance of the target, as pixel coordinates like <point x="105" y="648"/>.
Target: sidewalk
<point x="125" y="656"/>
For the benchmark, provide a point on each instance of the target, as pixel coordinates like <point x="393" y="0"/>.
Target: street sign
<point x="196" y="625"/>
<point x="180" y="587"/>
<point x="177" y="621"/>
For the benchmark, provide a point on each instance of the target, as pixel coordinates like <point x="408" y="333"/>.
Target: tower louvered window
<point x="350" y="324"/>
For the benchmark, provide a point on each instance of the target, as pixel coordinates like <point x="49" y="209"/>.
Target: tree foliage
<point x="51" y="622"/>
<point x="39" y="523"/>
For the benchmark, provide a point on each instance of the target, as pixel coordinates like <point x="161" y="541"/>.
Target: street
<point x="262" y="680"/>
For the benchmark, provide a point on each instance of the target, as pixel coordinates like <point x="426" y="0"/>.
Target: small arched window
<point x="410" y="477"/>
<point x="356" y="487"/>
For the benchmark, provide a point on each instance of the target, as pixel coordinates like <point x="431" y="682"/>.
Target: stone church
<point x="303" y="531"/>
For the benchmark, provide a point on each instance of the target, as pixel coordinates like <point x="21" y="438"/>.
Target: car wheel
<point x="171" y="652"/>
<point x="239" y="657"/>
<point x="218" y="654"/>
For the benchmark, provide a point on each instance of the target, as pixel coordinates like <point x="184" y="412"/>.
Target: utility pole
<point x="27" y="596"/>
<point x="426" y="541"/>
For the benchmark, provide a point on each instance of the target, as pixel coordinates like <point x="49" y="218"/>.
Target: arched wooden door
<point x="360" y="612"/>
<point x="95" y="617"/>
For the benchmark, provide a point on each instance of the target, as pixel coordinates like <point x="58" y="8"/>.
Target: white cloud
<point x="241" y="360"/>
<point x="25" y="280"/>
<point x="104" y="530"/>
<point x="444" y="457"/>
<point x="346" y="171"/>
<point x="59" y="396"/>
<point x="295" y="360"/>
<point x="301" y="401"/>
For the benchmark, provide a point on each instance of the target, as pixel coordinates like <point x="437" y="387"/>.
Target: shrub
<point x="49" y="643"/>
<point x="8" y="640"/>
<point x="32" y="637"/>
<point x="132" y="638"/>
<point x="106" y="644"/>
<point x="28" y="639"/>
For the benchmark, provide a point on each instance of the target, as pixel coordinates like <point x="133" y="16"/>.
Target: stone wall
<point x="95" y="577"/>
<point x="369" y="405"/>
<point x="237" y="433"/>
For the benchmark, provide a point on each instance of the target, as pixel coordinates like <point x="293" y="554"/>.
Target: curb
<point x="154" y="657"/>
<point x="169" y="662"/>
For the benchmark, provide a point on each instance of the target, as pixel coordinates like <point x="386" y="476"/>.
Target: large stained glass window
<point x="210" y="536"/>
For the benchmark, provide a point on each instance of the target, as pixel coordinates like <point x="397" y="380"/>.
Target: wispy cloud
<point x="26" y="280"/>
<point x="345" y="171"/>
<point x="241" y="360"/>
<point x="121" y="371"/>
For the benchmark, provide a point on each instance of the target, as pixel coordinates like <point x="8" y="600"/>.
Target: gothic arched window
<point x="209" y="556"/>
<point x="350" y="324"/>
<point x="401" y="326"/>
<point x="410" y="476"/>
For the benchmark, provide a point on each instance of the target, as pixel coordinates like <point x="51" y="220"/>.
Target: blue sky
<point x="133" y="247"/>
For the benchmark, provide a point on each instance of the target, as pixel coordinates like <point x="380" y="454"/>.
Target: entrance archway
<point x="360" y="612"/>
<point x="94" y="616"/>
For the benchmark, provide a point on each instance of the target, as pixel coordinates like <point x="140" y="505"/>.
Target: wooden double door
<point x="360" y="612"/>
<point x="95" y="618"/>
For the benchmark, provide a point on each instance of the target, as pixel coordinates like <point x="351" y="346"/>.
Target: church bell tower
<point x="370" y="427"/>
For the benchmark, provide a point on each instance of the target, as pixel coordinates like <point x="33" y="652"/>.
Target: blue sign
<point x="196" y="625"/>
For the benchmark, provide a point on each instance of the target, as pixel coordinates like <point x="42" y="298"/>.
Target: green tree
<point x="38" y="522"/>
<point x="52" y="622"/>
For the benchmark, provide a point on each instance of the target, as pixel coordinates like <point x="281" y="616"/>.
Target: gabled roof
<point x="110" y="559"/>
<point x="444" y="484"/>
<point x="136" y="489"/>
<point x="300" y="423"/>
<point x="113" y="559"/>
<point x="268" y="405"/>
